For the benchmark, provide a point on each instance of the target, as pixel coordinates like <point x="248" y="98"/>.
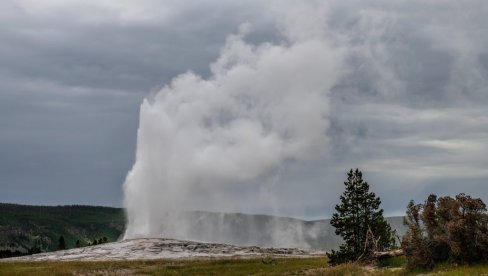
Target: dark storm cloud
<point x="410" y="109"/>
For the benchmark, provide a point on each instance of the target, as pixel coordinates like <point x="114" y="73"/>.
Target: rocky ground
<point x="152" y="248"/>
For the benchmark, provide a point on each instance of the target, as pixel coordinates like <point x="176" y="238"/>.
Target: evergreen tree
<point x="62" y="243"/>
<point x="36" y="248"/>
<point x="359" y="221"/>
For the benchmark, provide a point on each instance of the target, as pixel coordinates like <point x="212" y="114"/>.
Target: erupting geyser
<point x="215" y="143"/>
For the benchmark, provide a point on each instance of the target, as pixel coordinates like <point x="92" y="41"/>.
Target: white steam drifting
<point x="264" y="105"/>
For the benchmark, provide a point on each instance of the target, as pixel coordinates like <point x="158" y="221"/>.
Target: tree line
<point x="36" y="248"/>
<point x="62" y="242"/>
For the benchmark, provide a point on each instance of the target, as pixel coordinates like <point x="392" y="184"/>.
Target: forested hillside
<point x="24" y="227"/>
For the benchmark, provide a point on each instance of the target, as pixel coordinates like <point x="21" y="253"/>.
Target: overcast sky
<point x="409" y="107"/>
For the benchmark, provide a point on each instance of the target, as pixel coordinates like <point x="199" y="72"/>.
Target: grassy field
<point x="259" y="266"/>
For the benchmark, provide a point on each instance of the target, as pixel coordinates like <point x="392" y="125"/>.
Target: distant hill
<point x="24" y="226"/>
<point x="261" y="230"/>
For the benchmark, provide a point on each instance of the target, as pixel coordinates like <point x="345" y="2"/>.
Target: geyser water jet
<point x="215" y="143"/>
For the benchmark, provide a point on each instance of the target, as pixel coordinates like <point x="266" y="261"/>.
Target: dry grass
<point x="229" y="266"/>
<point x="280" y="266"/>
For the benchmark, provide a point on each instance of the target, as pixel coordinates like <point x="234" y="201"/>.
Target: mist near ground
<point x="260" y="230"/>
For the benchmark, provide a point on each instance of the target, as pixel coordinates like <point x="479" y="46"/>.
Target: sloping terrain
<point x="147" y="249"/>
<point x="22" y="227"/>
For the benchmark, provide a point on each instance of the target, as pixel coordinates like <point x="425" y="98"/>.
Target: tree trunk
<point x="388" y="254"/>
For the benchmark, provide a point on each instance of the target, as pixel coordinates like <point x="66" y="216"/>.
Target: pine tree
<point x="62" y="243"/>
<point x="359" y="221"/>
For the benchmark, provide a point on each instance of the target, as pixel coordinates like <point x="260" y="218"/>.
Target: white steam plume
<point x="199" y="139"/>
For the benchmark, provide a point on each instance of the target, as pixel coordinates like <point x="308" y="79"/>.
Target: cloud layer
<point x="407" y="104"/>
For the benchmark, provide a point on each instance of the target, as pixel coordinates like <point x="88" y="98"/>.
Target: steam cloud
<point x="263" y="107"/>
<point x="387" y="81"/>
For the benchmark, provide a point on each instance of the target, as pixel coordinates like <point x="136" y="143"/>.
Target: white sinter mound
<point x="152" y="248"/>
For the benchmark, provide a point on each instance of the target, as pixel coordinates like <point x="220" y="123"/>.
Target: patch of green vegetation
<point x="451" y="269"/>
<point x="398" y="261"/>
<point x="442" y="269"/>
<point x="281" y="266"/>
<point x="352" y="269"/>
<point x="237" y="267"/>
<point x="23" y="226"/>
<point x="256" y="266"/>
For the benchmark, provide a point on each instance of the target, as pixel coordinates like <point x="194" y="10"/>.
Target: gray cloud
<point x="409" y="108"/>
<point x="72" y="78"/>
